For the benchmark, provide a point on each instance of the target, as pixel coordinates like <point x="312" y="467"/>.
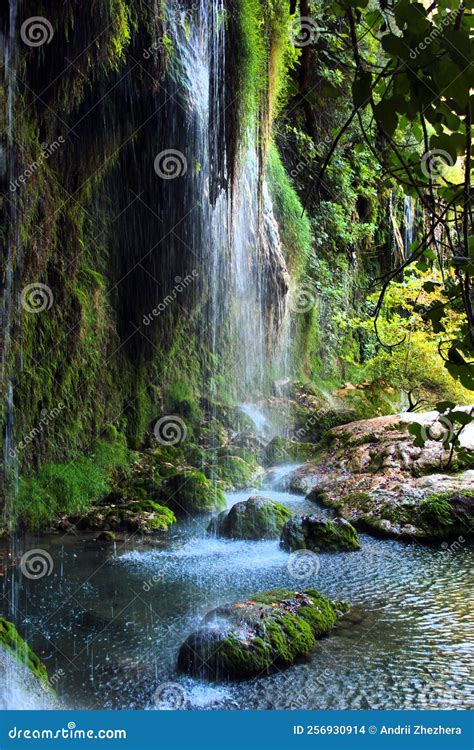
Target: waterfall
<point x="237" y="239"/>
<point x="408" y="224"/>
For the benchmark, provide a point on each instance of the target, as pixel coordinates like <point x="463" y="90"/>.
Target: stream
<point x="109" y="620"/>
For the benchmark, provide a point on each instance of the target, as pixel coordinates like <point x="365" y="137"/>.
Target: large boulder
<point x="374" y="474"/>
<point x="319" y="535"/>
<point x="438" y="516"/>
<point x="126" y="510"/>
<point x="256" y="518"/>
<point x="268" y="631"/>
<point x="189" y="492"/>
<point x="234" y="471"/>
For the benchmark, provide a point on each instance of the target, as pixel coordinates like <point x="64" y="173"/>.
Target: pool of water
<point x="109" y="620"/>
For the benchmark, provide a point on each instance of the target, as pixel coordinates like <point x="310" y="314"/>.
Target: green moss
<point x="282" y="450"/>
<point x="60" y="489"/>
<point x="168" y="454"/>
<point x="256" y="518"/>
<point x="11" y="640"/>
<point x="190" y="492"/>
<point x="270" y="630"/>
<point x="234" y="471"/>
<point x="180" y="399"/>
<point x="296" y="233"/>
<point x="443" y="513"/>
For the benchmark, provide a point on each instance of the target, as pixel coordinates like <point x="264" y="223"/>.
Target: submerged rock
<point x="190" y="492"/>
<point x="269" y="631"/>
<point x="256" y="518"/>
<point x="319" y="535"/>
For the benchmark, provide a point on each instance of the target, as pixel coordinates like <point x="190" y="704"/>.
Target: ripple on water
<point x="405" y="643"/>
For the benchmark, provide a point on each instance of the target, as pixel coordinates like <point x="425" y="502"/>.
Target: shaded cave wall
<point x="92" y="220"/>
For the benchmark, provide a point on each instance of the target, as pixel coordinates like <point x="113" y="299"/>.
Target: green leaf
<point x="461" y="417"/>
<point x="362" y="88"/>
<point x="386" y="116"/>
<point x="443" y="406"/>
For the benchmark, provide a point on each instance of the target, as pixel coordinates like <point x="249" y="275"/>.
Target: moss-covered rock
<point x="234" y="471"/>
<point x="268" y="631"/>
<point x="319" y="535"/>
<point x="282" y="450"/>
<point x="190" y="492"/>
<point x="11" y="640"/>
<point x="440" y="515"/>
<point x="256" y="518"/>
<point x="127" y="510"/>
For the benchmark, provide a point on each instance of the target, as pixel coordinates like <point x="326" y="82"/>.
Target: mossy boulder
<point x="127" y="510"/>
<point x="269" y="631"/>
<point x="168" y="454"/>
<point x="283" y="450"/>
<point x="190" y="492"/>
<point x="234" y="471"/>
<point x="319" y="535"/>
<point x="437" y="516"/>
<point x="12" y="642"/>
<point x="444" y="514"/>
<point x="256" y="518"/>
